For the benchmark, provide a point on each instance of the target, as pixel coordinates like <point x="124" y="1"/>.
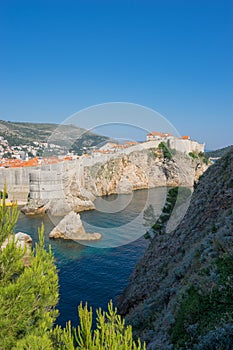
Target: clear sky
<point x="57" y="57"/>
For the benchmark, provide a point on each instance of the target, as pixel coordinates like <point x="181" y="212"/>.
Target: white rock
<point x="71" y="227"/>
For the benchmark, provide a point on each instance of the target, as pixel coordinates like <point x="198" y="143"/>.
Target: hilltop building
<point x="183" y="144"/>
<point x="155" y="135"/>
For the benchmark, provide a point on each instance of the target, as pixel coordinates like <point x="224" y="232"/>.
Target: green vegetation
<point x="200" y="311"/>
<point x="204" y="157"/>
<point x="28" y="298"/>
<point x="186" y="274"/>
<point x="3" y="194"/>
<point x="193" y="155"/>
<point x="28" y="295"/>
<point x="111" y="333"/>
<point x="166" y="151"/>
<point x="219" y="152"/>
<point x="149" y="216"/>
<point x="201" y="155"/>
<point x="69" y="137"/>
<point x="7" y="155"/>
<point x="175" y="196"/>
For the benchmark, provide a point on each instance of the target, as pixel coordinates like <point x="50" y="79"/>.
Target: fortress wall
<point x="17" y="182"/>
<point x="48" y="181"/>
<point x="103" y="158"/>
<point x="46" y="184"/>
<point x="186" y="146"/>
<point x="41" y="182"/>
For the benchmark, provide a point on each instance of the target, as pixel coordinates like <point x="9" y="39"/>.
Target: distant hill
<point x="219" y="152"/>
<point x="67" y="136"/>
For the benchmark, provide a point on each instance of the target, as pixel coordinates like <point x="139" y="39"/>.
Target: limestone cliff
<point x="180" y="293"/>
<point x="141" y="169"/>
<point x="75" y="186"/>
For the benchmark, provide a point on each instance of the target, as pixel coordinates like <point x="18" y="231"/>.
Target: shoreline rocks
<point x="71" y="228"/>
<point x="34" y="207"/>
<point x="31" y="211"/>
<point x="57" y="207"/>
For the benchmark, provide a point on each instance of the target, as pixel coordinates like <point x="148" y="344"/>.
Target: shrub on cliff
<point x="176" y="196"/>
<point x="193" y="155"/>
<point x="166" y="151"/>
<point x="200" y="311"/>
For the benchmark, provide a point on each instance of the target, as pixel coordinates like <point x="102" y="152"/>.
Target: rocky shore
<point x="71" y="228"/>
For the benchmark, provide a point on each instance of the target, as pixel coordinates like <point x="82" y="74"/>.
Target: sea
<point x="99" y="271"/>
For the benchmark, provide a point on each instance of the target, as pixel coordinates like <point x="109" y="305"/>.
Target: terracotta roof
<point x="130" y="143"/>
<point x="19" y="163"/>
<point x="156" y="133"/>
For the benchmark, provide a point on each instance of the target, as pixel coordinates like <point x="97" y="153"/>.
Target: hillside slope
<point x="68" y="136"/>
<point x="220" y="152"/>
<point x="180" y="293"/>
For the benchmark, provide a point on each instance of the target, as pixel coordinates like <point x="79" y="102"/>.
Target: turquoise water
<point x="93" y="273"/>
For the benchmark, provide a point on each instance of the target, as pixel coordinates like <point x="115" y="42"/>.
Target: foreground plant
<point x="29" y="295"/>
<point x="110" y="333"/>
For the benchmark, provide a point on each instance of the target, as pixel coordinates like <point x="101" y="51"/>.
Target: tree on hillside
<point x="165" y="149"/>
<point x="28" y="297"/>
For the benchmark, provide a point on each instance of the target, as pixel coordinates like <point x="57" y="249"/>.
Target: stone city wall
<point x="49" y="181"/>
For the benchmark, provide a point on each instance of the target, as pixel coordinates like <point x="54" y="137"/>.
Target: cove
<point x="99" y="272"/>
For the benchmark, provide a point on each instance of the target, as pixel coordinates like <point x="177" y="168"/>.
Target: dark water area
<point x="100" y="271"/>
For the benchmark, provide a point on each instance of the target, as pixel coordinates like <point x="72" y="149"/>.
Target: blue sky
<point x="57" y="57"/>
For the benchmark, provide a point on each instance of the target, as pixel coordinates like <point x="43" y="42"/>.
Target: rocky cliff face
<point x="180" y="293"/>
<point x="75" y="186"/>
<point x="142" y="169"/>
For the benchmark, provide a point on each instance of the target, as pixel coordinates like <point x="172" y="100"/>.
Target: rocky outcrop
<point x="57" y="207"/>
<point x="75" y="186"/>
<point x="188" y="269"/>
<point x="24" y="241"/>
<point x="142" y="169"/>
<point x="34" y="208"/>
<point x="61" y="207"/>
<point x="71" y="227"/>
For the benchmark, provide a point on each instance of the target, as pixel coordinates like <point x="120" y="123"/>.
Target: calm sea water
<point x="99" y="272"/>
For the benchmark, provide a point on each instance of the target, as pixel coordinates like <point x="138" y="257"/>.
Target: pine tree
<point x="28" y="297"/>
<point x="111" y="332"/>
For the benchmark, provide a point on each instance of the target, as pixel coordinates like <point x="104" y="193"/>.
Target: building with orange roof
<point x="155" y="135"/>
<point x="131" y="143"/>
<point x="18" y="163"/>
